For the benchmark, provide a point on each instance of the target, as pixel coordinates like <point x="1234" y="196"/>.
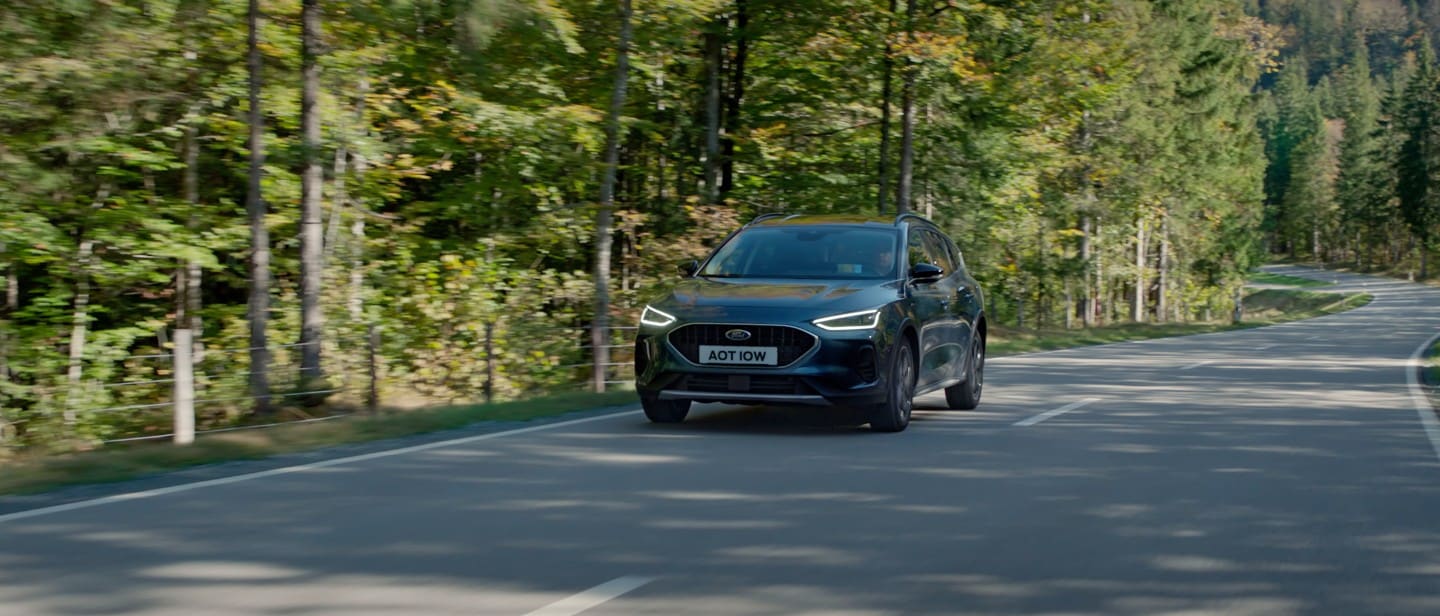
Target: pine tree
<point x="1418" y="163"/>
<point x="1297" y="120"/>
<point x="1360" y="159"/>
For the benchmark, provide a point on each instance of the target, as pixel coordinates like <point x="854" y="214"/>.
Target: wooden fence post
<point x="184" y="397"/>
<point x="372" y="401"/>
<point x="1239" y="314"/>
<point x="489" y="362"/>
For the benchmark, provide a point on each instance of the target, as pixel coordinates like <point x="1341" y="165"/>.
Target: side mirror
<point x="925" y="273"/>
<point x="690" y="267"/>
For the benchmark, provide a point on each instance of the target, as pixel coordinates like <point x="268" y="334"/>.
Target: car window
<point x="805" y="252"/>
<point x="955" y="254"/>
<point x="915" y="248"/>
<point x="939" y="253"/>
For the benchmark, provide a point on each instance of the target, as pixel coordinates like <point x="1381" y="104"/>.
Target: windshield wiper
<point x="721" y="276"/>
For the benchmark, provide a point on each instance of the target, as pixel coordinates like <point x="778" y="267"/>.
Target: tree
<point x="258" y="308"/>
<point x="312" y="232"/>
<point x="1418" y="163"/>
<point x="1360" y="161"/>
<point x="600" y="328"/>
<point x="907" y="112"/>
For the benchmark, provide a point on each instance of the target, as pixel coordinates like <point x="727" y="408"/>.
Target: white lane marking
<point x="1198" y="364"/>
<point x="1263" y="347"/>
<point x="1417" y="393"/>
<point x="186" y="487"/>
<point x="1056" y="412"/>
<point x="574" y="604"/>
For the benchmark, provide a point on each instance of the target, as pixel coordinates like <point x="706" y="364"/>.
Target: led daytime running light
<point x="655" y="318"/>
<point x="854" y="321"/>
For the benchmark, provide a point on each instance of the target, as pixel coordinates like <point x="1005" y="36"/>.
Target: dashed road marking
<point x="574" y="604"/>
<point x="1056" y="412"/>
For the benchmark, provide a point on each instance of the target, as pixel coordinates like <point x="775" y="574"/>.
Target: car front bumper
<point x="841" y="369"/>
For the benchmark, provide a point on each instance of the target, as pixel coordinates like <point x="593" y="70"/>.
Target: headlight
<point x="655" y="318"/>
<point x="850" y="321"/>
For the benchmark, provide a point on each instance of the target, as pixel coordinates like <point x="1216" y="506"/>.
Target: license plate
<point x="737" y="355"/>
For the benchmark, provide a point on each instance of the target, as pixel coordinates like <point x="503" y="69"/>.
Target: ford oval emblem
<point x="738" y="335"/>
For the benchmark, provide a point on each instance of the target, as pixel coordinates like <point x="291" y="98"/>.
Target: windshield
<point x="806" y="252"/>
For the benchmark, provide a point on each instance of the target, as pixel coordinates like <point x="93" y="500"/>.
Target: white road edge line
<point x="1056" y="412"/>
<point x="1417" y="393"/>
<point x="186" y="487"/>
<point x="1198" y="364"/>
<point x="574" y="604"/>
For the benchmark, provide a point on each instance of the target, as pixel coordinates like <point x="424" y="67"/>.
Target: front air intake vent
<point x="790" y="342"/>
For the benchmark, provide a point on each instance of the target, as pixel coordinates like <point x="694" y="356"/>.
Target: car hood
<point x="719" y="298"/>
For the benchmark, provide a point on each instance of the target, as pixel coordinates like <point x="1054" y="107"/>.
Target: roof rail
<point x="767" y="217"/>
<point x="903" y="216"/>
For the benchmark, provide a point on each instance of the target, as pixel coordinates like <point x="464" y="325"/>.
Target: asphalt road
<point x="1283" y="470"/>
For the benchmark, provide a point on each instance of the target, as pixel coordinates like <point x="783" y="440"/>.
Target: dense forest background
<point x="492" y="187"/>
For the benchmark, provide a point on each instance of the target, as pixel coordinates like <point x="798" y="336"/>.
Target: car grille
<point x="791" y="343"/>
<point x="753" y="384"/>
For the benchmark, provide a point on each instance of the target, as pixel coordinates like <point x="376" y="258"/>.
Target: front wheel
<point x="665" y="411"/>
<point x="965" y="395"/>
<point x="893" y="415"/>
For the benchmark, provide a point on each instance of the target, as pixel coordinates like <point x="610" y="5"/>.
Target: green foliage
<point x="464" y="141"/>
<point x="1418" y="160"/>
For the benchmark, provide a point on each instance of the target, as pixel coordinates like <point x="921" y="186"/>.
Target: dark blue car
<point x="851" y="311"/>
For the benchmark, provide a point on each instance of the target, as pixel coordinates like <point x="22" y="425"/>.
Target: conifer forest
<point x="474" y="198"/>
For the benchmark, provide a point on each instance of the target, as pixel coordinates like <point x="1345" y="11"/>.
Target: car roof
<point x="787" y="220"/>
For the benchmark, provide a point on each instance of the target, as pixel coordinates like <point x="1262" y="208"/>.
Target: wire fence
<point x="207" y="390"/>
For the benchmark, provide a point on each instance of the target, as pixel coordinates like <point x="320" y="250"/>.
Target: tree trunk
<point x="258" y="308"/>
<point x="1089" y="296"/>
<point x="907" y="122"/>
<point x="882" y="198"/>
<point x="1098" y="310"/>
<point x="599" y="333"/>
<point x="1069" y="306"/>
<point x="12" y="304"/>
<point x="1164" y="268"/>
<point x="312" y="228"/>
<point x="338" y="198"/>
<point x="79" y="322"/>
<point x="1020" y="308"/>
<point x="190" y="294"/>
<point x="356" y="301"/>
<point x="1138" y="312"/>
<point x="713" y="51"/>
<point x="737" y="92"/>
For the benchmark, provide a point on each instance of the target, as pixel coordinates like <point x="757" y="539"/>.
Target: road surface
<point x="1282" y="470"/>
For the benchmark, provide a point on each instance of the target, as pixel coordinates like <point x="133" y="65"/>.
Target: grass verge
<point x="1263" y="307"/>
<point x="37" y="473"/>
<point x="1432" y="372"/>
<point x="1283" y="280"/>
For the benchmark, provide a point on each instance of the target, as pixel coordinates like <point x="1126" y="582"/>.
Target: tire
<point x="965" y="395"/>
<point x="893" y="415"/>
<point x="665" y="411"/>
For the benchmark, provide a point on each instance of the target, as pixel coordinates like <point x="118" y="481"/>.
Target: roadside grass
<point x="1432" y="372"/>
<point x="1262" y="307"/>
<point x="1289" y="281"/>
<point x="36" y="472"/>
<point x="29" y="473"/>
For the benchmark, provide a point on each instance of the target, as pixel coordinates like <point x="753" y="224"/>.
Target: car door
<point x="930" y="304"/>
<point x="955" y="333"/>
<point x="970" y="301"/>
